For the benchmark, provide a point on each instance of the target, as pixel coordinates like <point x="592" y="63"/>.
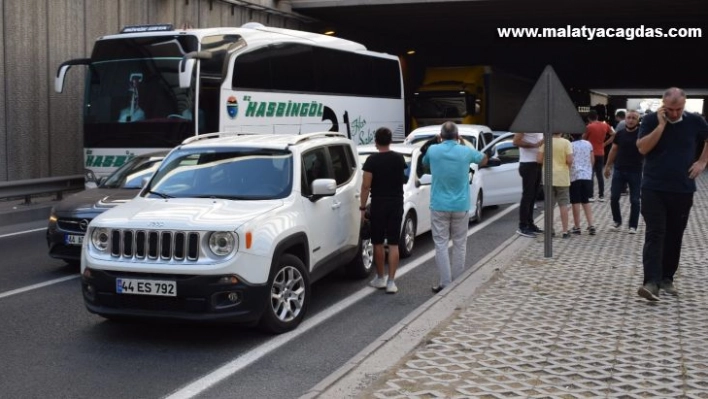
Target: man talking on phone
<point x="668" y="139"/>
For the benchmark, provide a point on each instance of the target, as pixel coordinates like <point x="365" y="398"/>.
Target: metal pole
<point x="548" y="172"/>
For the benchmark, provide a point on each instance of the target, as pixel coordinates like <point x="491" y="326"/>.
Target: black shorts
<point x="386" y="217"/>
<point x="580" y="191"/>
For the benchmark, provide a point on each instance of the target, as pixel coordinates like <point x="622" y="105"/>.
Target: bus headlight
<point x="100" y="239"/>
<point x="222" y="243"/>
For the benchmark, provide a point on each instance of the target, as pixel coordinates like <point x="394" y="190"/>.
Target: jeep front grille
<point x="155" y="244"/>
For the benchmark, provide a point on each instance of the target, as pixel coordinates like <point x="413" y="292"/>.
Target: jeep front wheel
<point x="363" y="263"/>
<point x="289" y="294"/>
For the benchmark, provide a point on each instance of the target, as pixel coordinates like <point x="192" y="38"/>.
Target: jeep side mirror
<point x="323" y="188"/>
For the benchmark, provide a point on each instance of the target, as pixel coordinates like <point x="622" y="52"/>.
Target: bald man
<point x="668" y="139"/>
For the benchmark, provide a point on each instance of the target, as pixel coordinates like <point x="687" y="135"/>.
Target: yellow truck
<point x="476" y="95"/>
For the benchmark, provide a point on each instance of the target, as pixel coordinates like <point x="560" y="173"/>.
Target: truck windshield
<point x="439" y="105"/>
<point x="135" y="80"/>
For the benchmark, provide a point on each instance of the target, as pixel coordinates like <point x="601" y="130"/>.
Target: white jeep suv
<point x="230" y="227"/>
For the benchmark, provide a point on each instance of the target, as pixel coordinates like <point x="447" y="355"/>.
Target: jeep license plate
<point x="146" y="287"/>
<point x="72" y="239"/>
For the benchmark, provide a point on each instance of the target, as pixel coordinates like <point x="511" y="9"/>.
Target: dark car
<point x="70" y="217"/>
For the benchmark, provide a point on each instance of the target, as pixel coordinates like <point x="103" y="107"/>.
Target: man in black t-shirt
<point x="668" y="139"/>
<point x="627" y="171"/>
<point x="384" y="178"/>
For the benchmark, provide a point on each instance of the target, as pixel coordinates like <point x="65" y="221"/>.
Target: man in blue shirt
<point x="449" y="163"/>
<point x="668" y="139"/>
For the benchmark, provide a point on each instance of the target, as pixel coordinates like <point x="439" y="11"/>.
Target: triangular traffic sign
<point x="548" y="108"/>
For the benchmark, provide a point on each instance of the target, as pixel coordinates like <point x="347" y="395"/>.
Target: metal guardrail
<point x="47" y="185"/>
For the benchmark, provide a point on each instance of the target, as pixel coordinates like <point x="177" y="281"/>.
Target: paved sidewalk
<point x="570" y="326"/>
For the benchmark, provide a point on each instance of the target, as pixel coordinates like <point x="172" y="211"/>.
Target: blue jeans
<point x="634" y="181"/>
<point x="666" y="217"/>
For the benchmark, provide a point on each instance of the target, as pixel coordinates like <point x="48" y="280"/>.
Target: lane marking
<point x="22" y="232"/>
<point x="232" y="367"/>
<point x="37" y="286"/>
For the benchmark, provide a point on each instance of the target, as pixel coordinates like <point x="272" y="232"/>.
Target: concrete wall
<point x="40" y="130"/>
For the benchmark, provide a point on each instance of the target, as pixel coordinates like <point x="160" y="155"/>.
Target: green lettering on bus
<point x="251" y="109"/>
<point x="120" y="160"/>
<point x="271" y="109"/>
<point x="303" y="109"/>
<point x="90" y="160"/>
<point x="261" y="109"/>
<point x="281" y="110"/>
<point x="98" y="161"/>
<point x="313" y="109"/>
<point x="295" y="110"/>
<point x="108" y="161"/>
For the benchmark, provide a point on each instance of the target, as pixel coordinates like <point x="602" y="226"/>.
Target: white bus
<point x="145" y="85"/>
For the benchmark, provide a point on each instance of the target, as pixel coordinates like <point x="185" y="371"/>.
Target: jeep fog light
<point x="222" y="243"/>
<point x="99" y="239"/>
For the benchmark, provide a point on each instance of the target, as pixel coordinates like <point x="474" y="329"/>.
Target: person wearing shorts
<point x="581" y="183"/>
<point x="384" y="175"/>
<point x="562" y="159"/>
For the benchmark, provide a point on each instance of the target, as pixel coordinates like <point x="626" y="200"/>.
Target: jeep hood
<point x="184" y="214"/>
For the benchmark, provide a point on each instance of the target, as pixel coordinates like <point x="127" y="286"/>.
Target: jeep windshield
<point x="228" y="173"/>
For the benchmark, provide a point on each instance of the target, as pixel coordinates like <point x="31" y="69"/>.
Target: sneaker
<point x="632" y="230"/>
<point x="566" y="234"/>
<point x="437" y="289"/>
<point x="591" y="230"/>
<point x="601" y="199"/>
<point x="591" y="199"/>
<point x="378" y="282"/>
<point x="536" y="229"/>
<point x="526" y="232"/>
<point x="575" y="230"/>
<point x="649" y="291"/>
<point x="616" y="226"/>
<point x="669" y="287"/>
<point x="391" y="287"/>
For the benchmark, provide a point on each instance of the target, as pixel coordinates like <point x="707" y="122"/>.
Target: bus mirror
<point x="59" y="80"/>
<point x="63" y="68"/>
<point x="186" y="66"/>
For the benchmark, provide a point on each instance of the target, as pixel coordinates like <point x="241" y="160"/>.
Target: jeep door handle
<point x="336" y="205"/>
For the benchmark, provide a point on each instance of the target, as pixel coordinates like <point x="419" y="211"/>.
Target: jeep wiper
<point x="163" y="195"/>
<point x="228" y="197"/>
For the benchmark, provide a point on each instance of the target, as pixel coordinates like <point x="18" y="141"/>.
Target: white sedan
<point x="491" y="185"/>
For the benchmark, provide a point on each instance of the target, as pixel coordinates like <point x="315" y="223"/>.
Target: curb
<point x="354" y="377"/>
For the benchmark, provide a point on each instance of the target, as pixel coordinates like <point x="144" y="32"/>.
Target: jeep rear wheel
<point x="363" y="263"/>
<point x="407" y="240"/>
<point x="289" y="294"/>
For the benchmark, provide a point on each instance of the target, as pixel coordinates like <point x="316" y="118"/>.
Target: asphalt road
<point x="52" y="347"/>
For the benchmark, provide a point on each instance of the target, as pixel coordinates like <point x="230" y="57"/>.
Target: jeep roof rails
<point x="213" y="136"/>
<point x="309" y="136"/>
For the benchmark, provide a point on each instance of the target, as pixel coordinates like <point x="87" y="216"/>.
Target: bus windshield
<point x="136" y="80"/>
<point x="133" y="98"/>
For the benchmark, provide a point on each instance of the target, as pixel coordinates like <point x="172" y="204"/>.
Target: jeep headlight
<point x="100" y="239"/>
<point x="222" y="243"/>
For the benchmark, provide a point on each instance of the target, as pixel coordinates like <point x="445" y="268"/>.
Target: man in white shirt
<point x="530" y="171"/>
